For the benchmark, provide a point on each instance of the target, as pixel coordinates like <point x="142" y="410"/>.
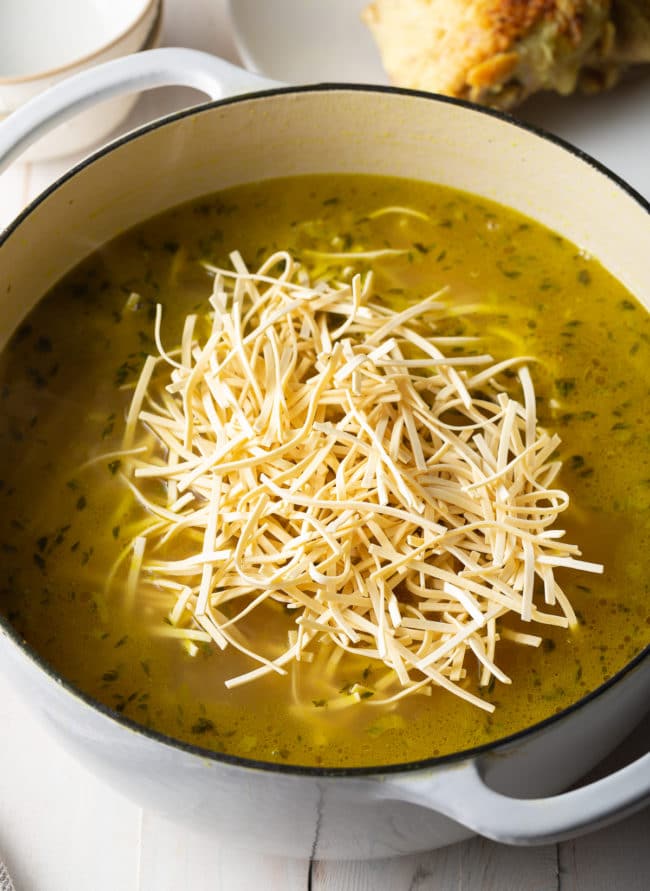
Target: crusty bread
<point x="631" y="20"/>
<point x="498" y="52"/>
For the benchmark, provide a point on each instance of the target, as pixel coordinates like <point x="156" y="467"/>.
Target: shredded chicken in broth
<point x="358" y="476"/>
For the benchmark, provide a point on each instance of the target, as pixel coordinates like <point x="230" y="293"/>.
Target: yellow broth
<point x="64" y="389"/>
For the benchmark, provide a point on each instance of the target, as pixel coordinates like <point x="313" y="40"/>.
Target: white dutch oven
<point x="509" y="791"/>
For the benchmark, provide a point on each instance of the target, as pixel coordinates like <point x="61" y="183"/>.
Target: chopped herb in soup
<point x="546" y="356"/>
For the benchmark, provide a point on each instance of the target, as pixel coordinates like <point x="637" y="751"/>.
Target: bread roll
<point x="498" y="52"/>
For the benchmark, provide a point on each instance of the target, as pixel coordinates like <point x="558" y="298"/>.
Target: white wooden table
<point x="63" y="830"/>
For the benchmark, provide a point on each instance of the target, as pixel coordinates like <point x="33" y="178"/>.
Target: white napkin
<point x="5" y="879"/>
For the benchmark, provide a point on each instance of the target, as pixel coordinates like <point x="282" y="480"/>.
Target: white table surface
<point x="63" y="830"/>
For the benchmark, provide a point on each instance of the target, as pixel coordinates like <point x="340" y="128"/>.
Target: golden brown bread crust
<point x="631" y="19"/>
<point x="496" y="51"/>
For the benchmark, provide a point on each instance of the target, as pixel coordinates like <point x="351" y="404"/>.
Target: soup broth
<point x="66" y="379"/>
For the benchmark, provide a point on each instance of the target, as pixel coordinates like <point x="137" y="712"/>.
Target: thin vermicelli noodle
<point x="306" y="446"/>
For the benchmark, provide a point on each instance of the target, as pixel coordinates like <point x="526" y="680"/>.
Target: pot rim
<point x="295" y="769"/>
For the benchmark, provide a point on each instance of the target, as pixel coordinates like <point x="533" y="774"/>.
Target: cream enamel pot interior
<point x="509" y="791"/>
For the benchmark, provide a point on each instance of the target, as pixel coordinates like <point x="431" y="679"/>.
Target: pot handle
<point x="140" y="71"/>
<point x="461" y="793"/>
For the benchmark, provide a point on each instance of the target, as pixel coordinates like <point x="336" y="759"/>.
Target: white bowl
<point x="42" y="42"/>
